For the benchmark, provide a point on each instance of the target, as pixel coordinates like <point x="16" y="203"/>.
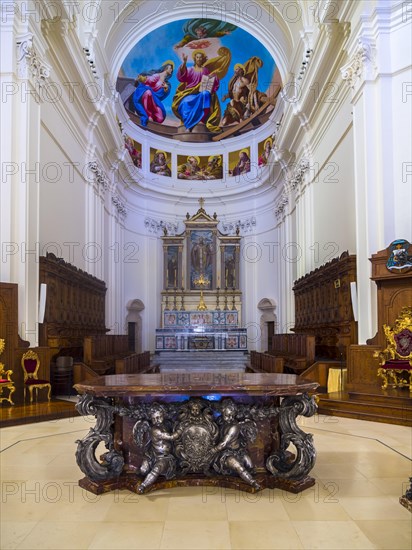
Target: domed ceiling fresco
<point x="199" y="80"/>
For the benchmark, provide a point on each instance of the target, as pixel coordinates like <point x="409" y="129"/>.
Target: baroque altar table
<point x="233" y="430"/>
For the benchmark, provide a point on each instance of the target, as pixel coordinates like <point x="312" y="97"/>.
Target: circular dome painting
<point x="199" y="80"/>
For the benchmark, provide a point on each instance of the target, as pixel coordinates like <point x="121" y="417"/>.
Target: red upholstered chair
<point x="5" y="378"/>
<point x="30" y="363"/>
<point x="396" y="360"/>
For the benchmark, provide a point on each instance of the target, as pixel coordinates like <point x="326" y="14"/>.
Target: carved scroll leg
<point x="279" y="463"/>
<point x="113" y="461"/>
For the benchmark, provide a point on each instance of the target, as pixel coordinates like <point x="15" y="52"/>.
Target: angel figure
<point x="158" y="460"/>
<point x="232" y="453"/>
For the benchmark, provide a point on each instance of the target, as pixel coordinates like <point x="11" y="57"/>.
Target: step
<point x="405" y="400"/>
<point x="163" y="369"/>
<point x="365" y="416"/>
<point x="390" y="410"/>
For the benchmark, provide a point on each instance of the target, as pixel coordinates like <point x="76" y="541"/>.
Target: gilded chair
<point x="30" y="363"/>
<point x="6" y="383"/>
<point x="396" y="359"/>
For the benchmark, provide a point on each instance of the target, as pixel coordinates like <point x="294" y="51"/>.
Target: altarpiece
<point x="201" y="299"/>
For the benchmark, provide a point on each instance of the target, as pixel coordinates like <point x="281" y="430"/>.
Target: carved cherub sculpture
<point x="158" y="447"/>
<point x="234" y="435"/>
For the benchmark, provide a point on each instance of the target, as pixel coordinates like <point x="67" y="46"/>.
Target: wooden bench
<point x="298" y="351"/>
<point x="101" y="352"/>
<point x="137" y="363"/>
<point x="263" y="362"/>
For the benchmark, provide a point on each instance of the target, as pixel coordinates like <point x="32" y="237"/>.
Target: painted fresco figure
<point x="151" y="89"/>
<point x="201" y="29"/>
<point x="264" y="157"/>
<point x="190" y="170"/>
<point x="196" y="100"/>
<point x="214" y="168"/>
<point x="244" y="96"/>
<point x="134" y="153"/>
<point x="243" y="166"/>
<point x="159" y="164"/>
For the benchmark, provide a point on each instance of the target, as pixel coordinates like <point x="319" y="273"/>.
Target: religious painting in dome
<point x="239" y="162"/>
<point x="135" y="150"/>
<point x="199" y="80"/>
<point x="264" y="149"/>
<point x="160" y="162"/>
<point x="194" y="167"/>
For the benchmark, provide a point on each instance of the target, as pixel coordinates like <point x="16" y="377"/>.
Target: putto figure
<point x="159" y="460"/>
<point x="233" y="457"/>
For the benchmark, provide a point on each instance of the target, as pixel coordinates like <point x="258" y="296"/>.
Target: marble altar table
<point x="224" y="429"/>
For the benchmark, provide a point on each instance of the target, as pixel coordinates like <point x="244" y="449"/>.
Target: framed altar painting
<point x="201" y="259"/>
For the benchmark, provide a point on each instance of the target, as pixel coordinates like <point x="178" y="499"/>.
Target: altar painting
<point x="172" y="266"/>
<point x="167" y="74"/>
<point x="229" y="266"/>
<point x="201" y="258"/>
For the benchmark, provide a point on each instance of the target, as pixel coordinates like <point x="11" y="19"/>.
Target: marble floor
<point x="361" y="471"/>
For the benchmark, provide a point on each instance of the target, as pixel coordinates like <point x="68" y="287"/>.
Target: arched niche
<point x="134" y="322"/>
<point x="268" y="322"/>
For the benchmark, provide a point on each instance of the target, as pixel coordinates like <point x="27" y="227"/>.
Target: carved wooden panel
<point x="323" y="306"/>
<point x="394" y="293"/>
<point x="75" y="305"/>
<point x="362" y="366"/>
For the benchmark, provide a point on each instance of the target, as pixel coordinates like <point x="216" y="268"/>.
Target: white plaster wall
<point x="398" y="205"/>
<point x="62" y="200"/>
<point x="334" y="204"/>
